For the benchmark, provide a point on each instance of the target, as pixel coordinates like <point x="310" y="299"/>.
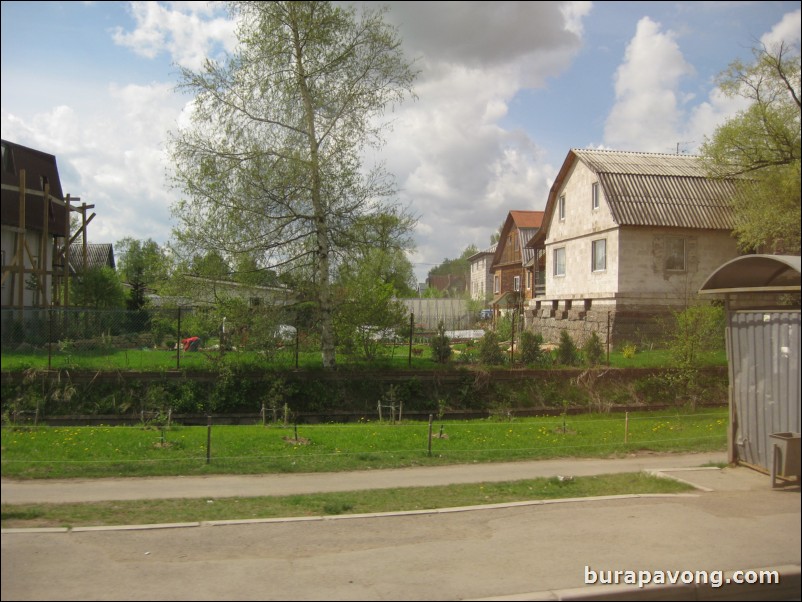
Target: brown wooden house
<point x="513" y="284"/>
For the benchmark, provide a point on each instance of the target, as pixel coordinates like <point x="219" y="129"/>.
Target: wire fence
<point x="165" y="338"/>
<point x="275" y="447"/>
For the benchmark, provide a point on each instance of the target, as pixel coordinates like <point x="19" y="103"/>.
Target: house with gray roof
<point x="627" y="238"/>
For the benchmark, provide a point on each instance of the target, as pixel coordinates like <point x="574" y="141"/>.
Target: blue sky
<point x="506" y="89"/>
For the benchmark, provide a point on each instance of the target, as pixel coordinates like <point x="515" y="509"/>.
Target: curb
<point x="294" y="519"/>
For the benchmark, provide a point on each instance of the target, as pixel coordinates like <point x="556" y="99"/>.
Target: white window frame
<point x="561" y="208"/>
<point x="516" y="283"/>
<point x="595" y="245"/>
<point x="559" y="252"/>
<point x="594" y="195"/>
<point x="496" y="284"/>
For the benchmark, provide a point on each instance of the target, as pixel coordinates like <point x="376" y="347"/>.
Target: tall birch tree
<point x="272" y="162"/>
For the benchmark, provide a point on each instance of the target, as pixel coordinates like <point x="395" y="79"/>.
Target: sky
<point x="505" y="90"/>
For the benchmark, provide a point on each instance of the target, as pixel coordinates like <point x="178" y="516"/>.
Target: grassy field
<point x="103" y="451"/>
<point x="86" y="452"/>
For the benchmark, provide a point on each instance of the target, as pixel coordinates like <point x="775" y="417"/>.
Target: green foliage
<point x="593" y="350"/>
<point x="628" y="351"/>
<point x="143" y="265"/>
<point x="99" y="288"/>
<point x="490" y="353"/>
<point x="697" y="329"/>
<point x="504" y="327"/>
<point x="368" y="314"/>
<point x="532" y="353"/>
<point x="272" y="163"/>
<point x="761" y="146"/>
<point x="440" y="345"/>
<point x="567" y="353"/>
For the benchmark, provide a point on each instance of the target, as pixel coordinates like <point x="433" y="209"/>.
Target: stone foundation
<point x="639" y="327"/>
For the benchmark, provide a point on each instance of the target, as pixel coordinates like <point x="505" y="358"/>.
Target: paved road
<point x="735" y="522"/>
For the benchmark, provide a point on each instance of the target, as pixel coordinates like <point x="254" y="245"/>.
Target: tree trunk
<point x="327" y="346"/>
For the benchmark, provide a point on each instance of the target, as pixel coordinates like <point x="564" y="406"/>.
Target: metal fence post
<point x="208" y="439"/>
<point x="431" y="417"/>
<point x="411" y="331"/>
<point x="178" y="342"/>
<point x="49" y="338"/>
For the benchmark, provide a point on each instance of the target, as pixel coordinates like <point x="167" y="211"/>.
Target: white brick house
<point x="481" y="276"/>
<point x="628" y="237"/>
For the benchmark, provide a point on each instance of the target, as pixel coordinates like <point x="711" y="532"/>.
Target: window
<point x="496" y="284"/>
<point x="675" y="254"/>
<point x="561" y="208"/>
<point x="516" y="283"/>
<point x="598" y="260"/>
<point x="559" y="261"/>
<point x="595" y="195"/>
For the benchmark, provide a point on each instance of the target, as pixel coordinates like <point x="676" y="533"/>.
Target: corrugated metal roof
<point x="98" y="255"/>
<point x="651" y="189"/>
<point x="525" y="235"/>
<point x="680" y="202"/>
<point x="652" y="164"/>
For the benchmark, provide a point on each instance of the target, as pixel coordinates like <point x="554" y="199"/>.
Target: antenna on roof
<point x="683" y="144"/>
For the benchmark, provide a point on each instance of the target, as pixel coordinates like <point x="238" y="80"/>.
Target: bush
<point x="593" y="350"/>
<point x="567" y="353"/>
<point x="489" y="351"/>
<point x="531" y="351"/>
<point x="441" y="345"/>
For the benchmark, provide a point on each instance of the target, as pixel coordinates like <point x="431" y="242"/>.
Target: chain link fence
<point x="187" y="337"/>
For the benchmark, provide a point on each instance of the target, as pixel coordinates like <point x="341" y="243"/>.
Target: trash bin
<point x="786" y="451"/>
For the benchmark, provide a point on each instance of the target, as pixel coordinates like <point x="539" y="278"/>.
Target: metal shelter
<point x="763" y="337"/>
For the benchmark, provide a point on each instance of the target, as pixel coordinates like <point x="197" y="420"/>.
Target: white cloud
<point x="111" y="155"/>
<point x="787" y="30"/>
<point x="648" y="111"/>
<point x="458" y="168"/>
<point x="188" y="31"/>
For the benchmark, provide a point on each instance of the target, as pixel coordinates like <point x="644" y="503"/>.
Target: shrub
<point x="531" y="350"/>
<point x="567" y="353"/>
<point x="441" y="345"/>
<point x="593" y="350"/>
<point x="489" y="351"/>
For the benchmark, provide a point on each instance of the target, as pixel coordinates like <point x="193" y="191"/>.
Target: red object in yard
<point x="191" y="344"/>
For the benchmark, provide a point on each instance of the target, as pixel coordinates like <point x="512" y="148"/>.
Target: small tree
<point x="697" y="329"/>
<point x="531" y="349"/>
<point x="441" y="345"/>
<point x="567" y="353"/>
<point x="593" y="350"/>
<point x="98" y="288"/>
<point x="489" y="351"/>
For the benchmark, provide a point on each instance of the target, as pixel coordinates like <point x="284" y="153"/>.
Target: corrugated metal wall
<point x="763" y="350"/>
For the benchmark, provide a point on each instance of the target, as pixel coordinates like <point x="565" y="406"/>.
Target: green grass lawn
<point x="87" y="452"/>
<point x="104" y="451"/>
<point x="391" y="357"/>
